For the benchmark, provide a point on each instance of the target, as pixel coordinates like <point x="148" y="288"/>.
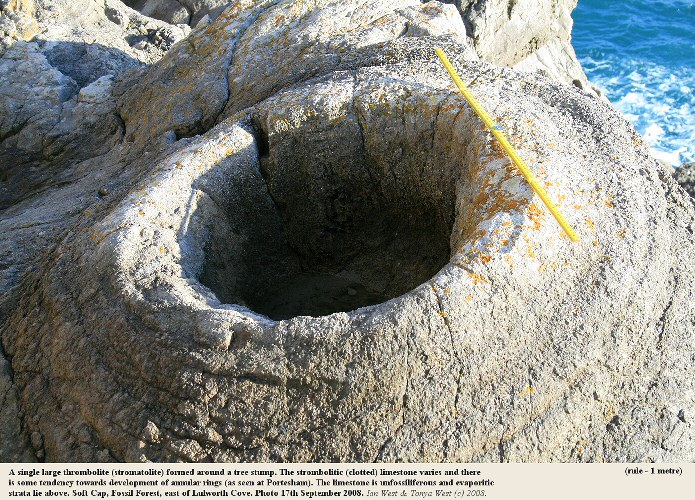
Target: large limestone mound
<point x="344" y="266"/>
<point x="529" y="35"/>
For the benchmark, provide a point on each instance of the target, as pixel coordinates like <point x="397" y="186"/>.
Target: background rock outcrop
<point x="526" y="34"/>
<point x="289" y="239"/>
<point x="685" y="176"/>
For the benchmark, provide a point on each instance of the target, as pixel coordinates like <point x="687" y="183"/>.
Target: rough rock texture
<point x="56" y="98"/>
<point x="16" y="22"/>
<point x="320" y="254"/>
<point x="528" y="35"/>
<point x="685" y="176"/>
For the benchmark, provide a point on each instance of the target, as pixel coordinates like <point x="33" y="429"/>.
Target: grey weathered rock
<point x="528" y="35"/>
<point x="320" y="254"/>
<point x="56" y="99"/>
<point x="685" y="176"/>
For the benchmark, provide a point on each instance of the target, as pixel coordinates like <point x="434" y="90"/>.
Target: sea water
<point x="641" y="54"/>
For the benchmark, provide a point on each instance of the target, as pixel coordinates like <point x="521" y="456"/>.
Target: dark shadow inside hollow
<point x="326" y="221"/>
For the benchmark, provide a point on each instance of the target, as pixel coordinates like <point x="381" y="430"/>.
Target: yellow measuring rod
<point x="497" y="132"/>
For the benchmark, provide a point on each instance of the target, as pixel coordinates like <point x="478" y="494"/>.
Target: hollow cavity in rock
<point x="328" y="221"/>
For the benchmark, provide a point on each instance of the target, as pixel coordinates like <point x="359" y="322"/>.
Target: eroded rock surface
<point x="57" y="104"/>
<point x="303" y="245"/>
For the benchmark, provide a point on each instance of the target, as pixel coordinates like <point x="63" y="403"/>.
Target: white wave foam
<point x="657" y="100"/>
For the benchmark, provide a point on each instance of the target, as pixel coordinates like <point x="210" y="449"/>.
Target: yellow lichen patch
<point x="590" y="223"/>
<point x="608" y="203"/>
<point x="621" y="233"/>
<point x="595" y="243"/>
<point x="469" y="298"/>
<point x="529" y="250"/>
<point x="527" y="391"/>
<point x="447" y="291"/>
<point x="162" y="249"/>
<point x="442" y="314"/>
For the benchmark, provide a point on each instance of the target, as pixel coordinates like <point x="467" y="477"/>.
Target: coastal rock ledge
<point x="290" y="239"/>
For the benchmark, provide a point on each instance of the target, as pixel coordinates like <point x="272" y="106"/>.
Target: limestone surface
<point x="301" y="244"/>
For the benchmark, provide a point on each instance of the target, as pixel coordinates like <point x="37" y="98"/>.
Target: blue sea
<point x="641" y="54"/>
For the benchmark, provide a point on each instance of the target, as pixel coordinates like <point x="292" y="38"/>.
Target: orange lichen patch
<point x="507" y="223"/>
<point x="608" y="203"/>
<point x="577" y="207"/>
<point x="485" y="258"/>
<point x="590" y="223"/>
<point x="162" y="249"/>
<point x="468" y="298"/>
<point x="447" y="291"/>
<point x="536" y="215"/>
<point x="621" y="233"/>
<point x="527" y="391"/>
<point x="477" y="278"/>
<point x="529" y="251"/>
<point x="442" y="314"/>
<point x="541" y="267"/>
<point x="553" y="265"/>
<point x="595" y="243"/>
